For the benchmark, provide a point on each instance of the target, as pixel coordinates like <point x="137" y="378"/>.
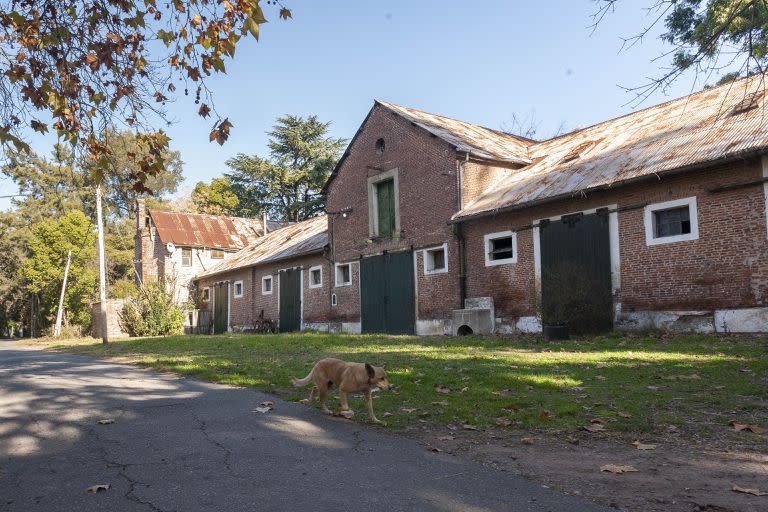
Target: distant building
<point x="175" y="246"/>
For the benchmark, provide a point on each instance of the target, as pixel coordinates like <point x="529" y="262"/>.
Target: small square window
<point x="206" y="294"/>
<point x="186" y="257"/>
<point x="435" y="260"/>
<point x="266" y="285"/>
<point x="315" y="277"/>
<point x="217" y="254"/>
<point x="343" y="274"/>
<point x="238" y="289"/>
<point x="671" y="221"/>
<point x="500" y="248"/>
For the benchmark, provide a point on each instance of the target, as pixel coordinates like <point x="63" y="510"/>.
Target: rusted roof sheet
<point x="302" y="238"/>
<point x="195" y="230"/>
<point x="682" y="133"/>
<point x="471" y="138"/>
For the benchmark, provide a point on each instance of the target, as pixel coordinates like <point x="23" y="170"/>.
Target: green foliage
<point x="216" y="198"/>
<point x="152" y="313"/>
<point x="123" y="289"/>
<point x="43" y="271"/>
<point x="287" y="184"/>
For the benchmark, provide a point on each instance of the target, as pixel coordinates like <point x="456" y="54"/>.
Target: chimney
<point x="141" y="214"/>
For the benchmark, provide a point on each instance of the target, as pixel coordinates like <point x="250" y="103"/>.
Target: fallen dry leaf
<point x="464" y="389"/>
<point x="346" y="414"/>
<point x="673" y="429"/>
<point x="614" y="468"/>
<point x="98" y="488"/>
<point x="469" y="427"/>
<point x="433" y="448"/>
<point x="653" y="388"/>
<point x="262" y="409"/>
<point x="445" y="438"/>
<point x="106" y="422"/>
<point x="387" y="414"/>
<point x="527" y="440"/>
<point x="754" y="492"/>
<point x="504" y="422"/>
<point x="505" y="392"/>
<point x="623" y="414"/>
<point x="443" y="403"/>
<point x="408" y="409"/>
<point x="545" y="415"/>
<point x="598" y="420"/>
<point x="643" y="446"/>
<point x="594" y="427"/>
<point x="443" y="389"/>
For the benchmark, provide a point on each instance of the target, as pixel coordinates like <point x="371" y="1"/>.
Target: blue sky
<point x="476" y="61"/>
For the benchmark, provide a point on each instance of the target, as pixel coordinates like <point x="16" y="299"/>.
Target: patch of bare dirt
<point x="679" y="475"/>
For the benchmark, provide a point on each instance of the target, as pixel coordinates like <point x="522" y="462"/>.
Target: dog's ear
<point x="370" y="370"/>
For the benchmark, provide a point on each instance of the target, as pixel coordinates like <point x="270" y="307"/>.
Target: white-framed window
<point x="266" y="285"/>
<point x="316" y="277"/>
<point x="671" y="221"/>
<point x="206" y="294"/>
<point x="237" y="289"/>
<point x="186" y="256"/>
<point x="435" y="260"/>
<point x="343" y="274"/>
<point x="217" y="254"/>
<point x="500" y="248"/>
<point x="384" y="205"/>
<point x="334" y="300"/>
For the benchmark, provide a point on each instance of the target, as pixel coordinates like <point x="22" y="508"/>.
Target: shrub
<point x="152" y="312"/>
<point x="123" y="289"/>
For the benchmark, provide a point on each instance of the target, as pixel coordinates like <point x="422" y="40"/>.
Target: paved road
<point x="179" y="444"/>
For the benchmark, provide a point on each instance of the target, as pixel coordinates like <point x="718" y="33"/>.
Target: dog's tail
<point x="302" y="382"/>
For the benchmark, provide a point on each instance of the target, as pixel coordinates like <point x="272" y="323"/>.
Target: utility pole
<point x="57" y="329"/>
<point x="102" y="268"/>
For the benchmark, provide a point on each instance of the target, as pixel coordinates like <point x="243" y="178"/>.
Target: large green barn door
<point x="387" y="293"/>
<point x="290" y="300"/>
<point x="220" y="308"/>
<point x="576" y="272"/>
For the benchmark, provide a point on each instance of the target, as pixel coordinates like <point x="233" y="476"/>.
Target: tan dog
<point x="349" y="378"/>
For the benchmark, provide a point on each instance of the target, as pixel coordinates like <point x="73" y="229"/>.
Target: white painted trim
<point x="301" y="299"/>
<point x="334" y="300"/>
<point x="764" y="161"/>
<point x="537" y="262"/>
<point x="229" y="309"/>
<point x="309" y="276"/>
<point x="415" y="290"/>
<point x="693" y="213"/>
<point x="336" y="275"/>
<point x="271" y="287"/>
<point x="373" y="207"/>
<point x="424" y="259"/>
<point x="487" y="248"/>
<point x="234" y="290"/>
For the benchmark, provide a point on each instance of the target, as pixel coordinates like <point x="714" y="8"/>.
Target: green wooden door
<point x="385" y="203"/>
<point x="220" y="307"/>
<point x="576" y="273"/>
<point x="290" y="300"/>
<point x="387" y="293"/>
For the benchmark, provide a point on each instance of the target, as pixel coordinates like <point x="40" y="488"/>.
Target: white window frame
<point x="425" y="259"/>
<point x="234" y="289"/>
<point x="373" y="206"/>
<point x="191" y="257"/>
<point x="336" y="275"/>
<point x="312" y="269"/>
<point x="488" y="247"/>
<point x="207" y="290"/>
<point x="650" y="224"/>
<point x="271" y="285"/>
<point x="334" y="300"/>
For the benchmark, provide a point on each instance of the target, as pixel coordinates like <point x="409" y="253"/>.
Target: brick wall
<point x="727" y="267"/>
<point x="428" y="198"/>
<point x="476" y="177"/>
<point x="246" y="309"/>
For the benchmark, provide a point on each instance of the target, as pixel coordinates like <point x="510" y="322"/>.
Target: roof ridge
<point x="150" y="210"/>
<point x="500" y="132"/>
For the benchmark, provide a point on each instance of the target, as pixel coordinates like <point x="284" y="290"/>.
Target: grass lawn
<point x="635" y="383"/>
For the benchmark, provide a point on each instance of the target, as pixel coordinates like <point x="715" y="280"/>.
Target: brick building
<point x="174" y="247"/>
<point x="653" y="219"/>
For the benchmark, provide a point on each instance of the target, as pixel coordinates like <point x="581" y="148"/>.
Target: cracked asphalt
<point x="179" y="444"/>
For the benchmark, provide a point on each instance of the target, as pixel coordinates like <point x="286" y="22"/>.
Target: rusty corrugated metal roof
<point x="478" y="140"/>
<point x="686" y="132"/>
<point x="196" y="230"/>
<point x="306" y="237"/>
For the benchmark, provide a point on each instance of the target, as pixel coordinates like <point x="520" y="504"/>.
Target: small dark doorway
<point x="220" y="307"/>
<point x="576" y="273"/>
<point x="290" y="300"/>
<point x="387" y="293"/>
